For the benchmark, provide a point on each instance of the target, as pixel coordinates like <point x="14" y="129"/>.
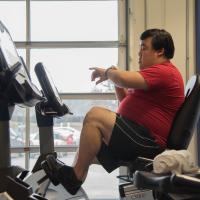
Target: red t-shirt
<point x="155" y="107"/>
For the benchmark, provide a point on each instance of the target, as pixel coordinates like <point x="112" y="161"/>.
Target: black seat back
<point x="186" y="118"/>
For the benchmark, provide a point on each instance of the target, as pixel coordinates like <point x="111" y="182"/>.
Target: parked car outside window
<point x="62" y="136"/>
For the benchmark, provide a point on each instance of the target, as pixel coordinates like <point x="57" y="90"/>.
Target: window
<point x="66" y="69"/>
<point x="13" y="15"/>
<point x="74" y="20"/>
<point x="68" y="37"/>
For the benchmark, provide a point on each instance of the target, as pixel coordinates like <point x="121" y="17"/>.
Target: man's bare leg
<point x="94" y="161"/>
<point x="97" y="126"/>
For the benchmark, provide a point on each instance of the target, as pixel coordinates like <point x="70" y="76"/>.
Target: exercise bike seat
<point x="168" y="183"/>
<point x="144" y="179"/>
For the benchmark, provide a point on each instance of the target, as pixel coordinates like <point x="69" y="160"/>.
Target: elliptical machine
<point x="16" y="88"/>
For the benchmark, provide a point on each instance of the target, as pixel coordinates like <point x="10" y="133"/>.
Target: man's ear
<point x="161" y="52"/>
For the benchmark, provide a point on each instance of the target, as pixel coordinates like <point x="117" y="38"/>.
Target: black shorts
<point x="128" y="141"/>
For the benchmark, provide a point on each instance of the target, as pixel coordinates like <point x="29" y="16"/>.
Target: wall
<point x="177" y="17"/>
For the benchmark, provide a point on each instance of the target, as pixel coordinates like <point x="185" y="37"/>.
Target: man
<point x="149" y="100"/>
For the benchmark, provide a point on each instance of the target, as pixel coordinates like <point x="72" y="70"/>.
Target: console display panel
<point x="12" y="59"/>
<point x="7" y="47"/>
<point x="15" y="81"/>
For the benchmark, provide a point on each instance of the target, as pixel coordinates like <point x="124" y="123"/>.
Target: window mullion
<point x="27" y="48"/>
<point x="90" y="96"/>
<point x="71" y="44"/>
<point x="122" y="53"/>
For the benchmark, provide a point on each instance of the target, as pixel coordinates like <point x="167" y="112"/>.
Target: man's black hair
<point x="160" y="39"/>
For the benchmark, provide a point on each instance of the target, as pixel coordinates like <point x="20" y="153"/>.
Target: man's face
<point x="147" y="55"/>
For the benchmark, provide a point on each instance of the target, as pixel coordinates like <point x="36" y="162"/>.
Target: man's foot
<point x="58" y="172"/>
<point x="51" y="167"/>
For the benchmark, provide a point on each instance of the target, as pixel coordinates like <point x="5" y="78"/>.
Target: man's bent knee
<point x="103" y="119"/>
<point x="94" y="114"/>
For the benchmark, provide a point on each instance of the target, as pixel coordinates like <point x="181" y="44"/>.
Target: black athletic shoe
<point x="51" y="168"/>
<point x="69" y="180"/>
<point x="58" y="172"/>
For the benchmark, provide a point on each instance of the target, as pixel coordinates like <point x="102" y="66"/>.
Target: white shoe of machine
<point x="43" y="186"/>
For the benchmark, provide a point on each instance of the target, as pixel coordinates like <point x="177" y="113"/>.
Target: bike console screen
<point x="50" y="91"/>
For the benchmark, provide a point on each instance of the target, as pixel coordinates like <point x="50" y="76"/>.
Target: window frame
<point x="121" y="44"/>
